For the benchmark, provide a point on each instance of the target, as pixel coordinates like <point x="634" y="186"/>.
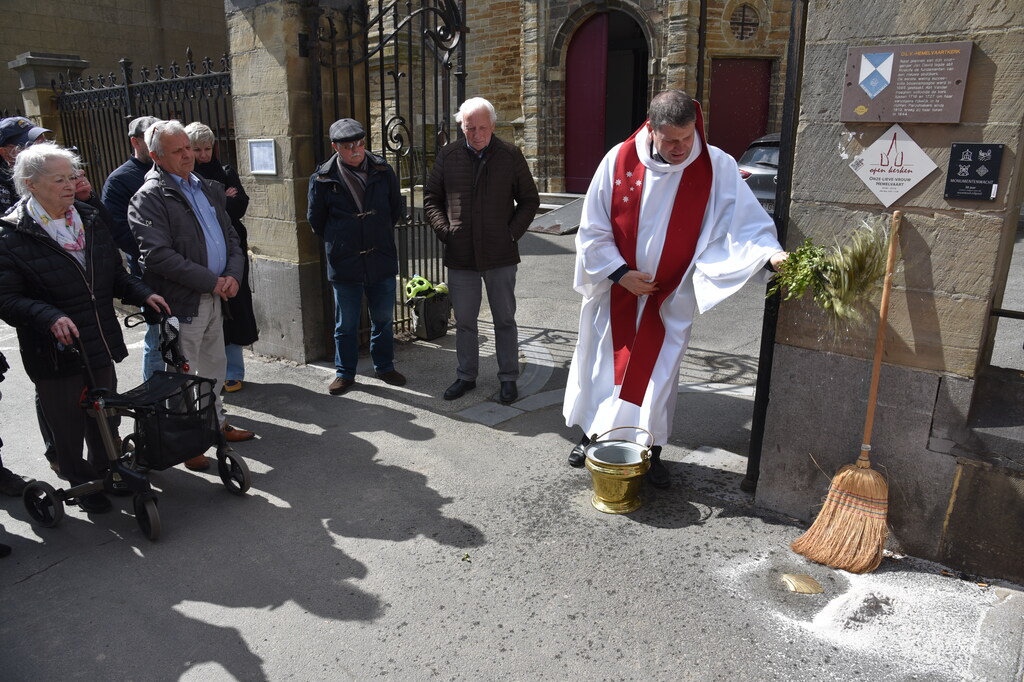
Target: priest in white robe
<point x="668" y="228"/>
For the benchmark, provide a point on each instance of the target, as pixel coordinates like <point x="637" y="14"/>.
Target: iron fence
<point x="390" y="65"/>
<point x="95" y="110"/>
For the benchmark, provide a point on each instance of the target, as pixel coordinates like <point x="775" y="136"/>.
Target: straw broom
<point x="850" y="530"/>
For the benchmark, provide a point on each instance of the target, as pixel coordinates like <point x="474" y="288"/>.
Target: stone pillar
<point x="270" y="81"/>
<point x="37" y="71"/>
<point x="944" y="476"/>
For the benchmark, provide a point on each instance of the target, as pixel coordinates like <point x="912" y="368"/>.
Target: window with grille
<point x="744" y="22"/>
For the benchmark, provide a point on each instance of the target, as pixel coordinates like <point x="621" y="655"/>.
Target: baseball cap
<point x="20" y="131"/>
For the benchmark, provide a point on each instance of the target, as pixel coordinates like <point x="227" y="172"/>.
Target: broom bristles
<point x="849" y="532"/>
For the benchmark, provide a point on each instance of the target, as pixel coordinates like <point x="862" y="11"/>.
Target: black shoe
<point x="578" y="456"/>
<point x="658" y="475"/>
<point x="392" y="378"/>
<point x="509" y="392"/>
<point x="96" y="503"/>
<point x="5" y="550"/>
<point x="11" y="483"/>
<point x="458" y="389"/>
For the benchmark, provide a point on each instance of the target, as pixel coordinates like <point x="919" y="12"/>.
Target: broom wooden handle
<point x="883" y="316"/>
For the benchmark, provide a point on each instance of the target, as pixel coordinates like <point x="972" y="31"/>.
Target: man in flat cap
<point x="118" y="190"/>
<point x="354" y="204"/>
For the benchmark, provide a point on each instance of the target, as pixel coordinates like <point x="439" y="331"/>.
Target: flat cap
<point x="20" y="131"/>
<point x="137" y="127"/>
<point x="347" y="130"/>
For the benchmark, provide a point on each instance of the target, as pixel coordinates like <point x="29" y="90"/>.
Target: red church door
<point x="740" y="90"/>
<point x="586" y="69"/>
<point x="605" y="92"/>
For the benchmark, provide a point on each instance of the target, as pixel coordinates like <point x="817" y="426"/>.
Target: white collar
<point x="643" y="151"/>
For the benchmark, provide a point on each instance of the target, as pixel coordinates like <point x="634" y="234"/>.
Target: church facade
<point x="571" y="79"/>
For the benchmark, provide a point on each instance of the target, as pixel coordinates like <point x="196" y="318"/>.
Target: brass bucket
<point x="617" y="468"/>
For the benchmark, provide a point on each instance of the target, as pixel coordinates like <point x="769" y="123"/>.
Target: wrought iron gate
<point x="95" y="111"/>
<point x="390" y="65"/>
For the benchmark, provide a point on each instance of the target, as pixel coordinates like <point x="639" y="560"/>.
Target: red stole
<point x="637" y="346"/>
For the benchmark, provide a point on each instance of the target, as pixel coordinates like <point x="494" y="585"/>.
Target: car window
<point x="761" y="156"/>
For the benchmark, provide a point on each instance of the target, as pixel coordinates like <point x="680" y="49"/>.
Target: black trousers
<point x="70" y="424"/>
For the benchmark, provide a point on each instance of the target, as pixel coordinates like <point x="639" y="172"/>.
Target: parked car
<point x="759" y="166"/>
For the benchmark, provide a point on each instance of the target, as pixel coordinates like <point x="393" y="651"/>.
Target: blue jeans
<point x="380" y="301"/>
<point x="236" y="364"/>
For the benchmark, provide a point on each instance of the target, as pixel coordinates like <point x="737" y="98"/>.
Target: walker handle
<point x="635" y="428"/>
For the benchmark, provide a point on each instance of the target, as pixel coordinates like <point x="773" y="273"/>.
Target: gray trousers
<point x="465" y="288"/>
<point x="202" y="343"/>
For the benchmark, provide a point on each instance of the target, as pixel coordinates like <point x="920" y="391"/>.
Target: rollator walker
<point x="175" y="420"/>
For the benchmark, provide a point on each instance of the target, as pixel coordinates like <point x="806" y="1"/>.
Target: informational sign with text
<point x="923" y="82"/>
<point x="892" y="165"/>
<point x="973" y="173"/>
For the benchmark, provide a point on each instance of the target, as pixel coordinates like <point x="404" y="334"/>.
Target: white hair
<point x="156" y="132"/>
<point x="473" y="105"/>
<point x="32" y="161"/>
<point x="199" y="133"/>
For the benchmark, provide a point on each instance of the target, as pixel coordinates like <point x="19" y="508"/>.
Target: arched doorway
<point x="606" y="91"/>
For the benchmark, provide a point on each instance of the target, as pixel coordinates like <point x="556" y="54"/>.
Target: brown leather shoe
<point x="340" y="385"/>
<point x="200" y="463"/>
<point x="233" y="435"/>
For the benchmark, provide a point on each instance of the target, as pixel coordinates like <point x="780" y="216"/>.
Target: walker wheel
<point x="147" y="516"/>
<point x="234" y="472"/>
<point x="42" y="503"/>
<point x="129" y="446"/>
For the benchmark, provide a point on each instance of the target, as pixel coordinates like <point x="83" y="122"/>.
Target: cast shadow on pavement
<point x="313" y="482"/>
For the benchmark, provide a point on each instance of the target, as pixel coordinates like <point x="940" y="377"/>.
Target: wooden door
<point x="586" y="69"/>
<point x="740" y="91"/>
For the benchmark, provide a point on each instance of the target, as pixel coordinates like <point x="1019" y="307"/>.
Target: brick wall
<point x="494" y="56"/>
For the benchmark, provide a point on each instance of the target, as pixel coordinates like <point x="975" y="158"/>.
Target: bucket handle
<point x="647" y="451"/>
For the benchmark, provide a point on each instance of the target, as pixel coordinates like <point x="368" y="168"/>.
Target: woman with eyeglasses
<point x="59" y="274"/>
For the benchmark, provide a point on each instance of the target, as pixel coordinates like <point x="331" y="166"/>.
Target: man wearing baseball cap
<point x="118" y="190"/>
<point x="16" y="133"/>
<point x="354" y="203"/>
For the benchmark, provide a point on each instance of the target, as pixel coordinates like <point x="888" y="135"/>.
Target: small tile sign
<point x="973" y="173"/>
<point x="892" y="165"/>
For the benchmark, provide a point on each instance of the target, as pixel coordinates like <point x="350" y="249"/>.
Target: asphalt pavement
<point x="392" y="535"/>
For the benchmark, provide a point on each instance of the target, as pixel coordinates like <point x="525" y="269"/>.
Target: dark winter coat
<point x="360" y="245"/>
<point x="480" y="208"/>
<point x="118" y="190"/>
<point x="239" y="320"/>
<point x="40" y="282"/>
<point x="172" y="244"/>
<point x="8" y="195"/>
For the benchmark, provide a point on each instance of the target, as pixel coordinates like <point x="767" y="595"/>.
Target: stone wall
<point x="954" y="258"/>
<point x="272" y="95"/>
<point x="148" y="32"/>
<point x="493" y="65"/>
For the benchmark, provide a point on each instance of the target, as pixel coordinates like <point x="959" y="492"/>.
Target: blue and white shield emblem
<point x="875" y="72"/>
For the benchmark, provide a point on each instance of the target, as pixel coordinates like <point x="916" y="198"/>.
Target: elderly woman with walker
<point x="59" y="274"/>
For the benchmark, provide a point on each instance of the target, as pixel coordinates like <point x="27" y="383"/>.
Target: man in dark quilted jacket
<point x="479" y="200"/>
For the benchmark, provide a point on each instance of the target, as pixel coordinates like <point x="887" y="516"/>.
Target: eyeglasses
<point x="351" y="146"/>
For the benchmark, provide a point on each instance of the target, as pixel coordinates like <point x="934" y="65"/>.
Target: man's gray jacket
<point x="172" y="244"/>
